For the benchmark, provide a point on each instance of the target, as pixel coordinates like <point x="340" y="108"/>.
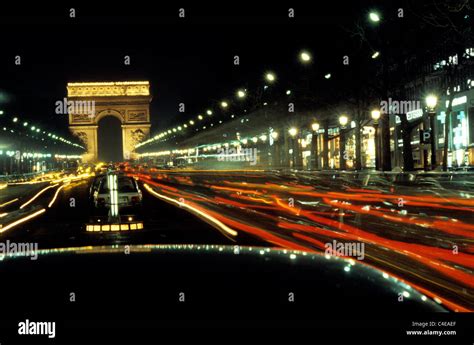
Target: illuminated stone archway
<point x="88" y="103"/>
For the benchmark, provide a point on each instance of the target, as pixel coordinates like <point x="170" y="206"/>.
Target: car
<point x="129" y="194"/>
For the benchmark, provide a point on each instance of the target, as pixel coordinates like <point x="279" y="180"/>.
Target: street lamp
<point x="374" y="17"/>
<point x="224" y="104"/>
<point x="431" y="102"/>
<point x="209" y="112"/>
<point x="241" y="93"/>
<point x="270" y="77"/>
<point x="375" y="55"/>
<point x="375" y="114"/>
<point x="343" y="120"/>
<point x="314" y="144"/>
<point x="305" y="57"/>
<point x="293" y="131"/>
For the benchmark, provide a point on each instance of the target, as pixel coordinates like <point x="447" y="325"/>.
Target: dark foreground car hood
<point x="114" y="278"/>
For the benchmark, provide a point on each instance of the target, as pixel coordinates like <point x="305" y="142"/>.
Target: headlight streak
<point x="22" y="220"/>
<point x="56" y="195"/>
<point x="9" y="202"/>
<point x="37" y="195"/>
<point x="216" y="222"/>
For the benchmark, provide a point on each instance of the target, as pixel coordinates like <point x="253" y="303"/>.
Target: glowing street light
<point x="343" y="120"/>
<point x="274" y="135"/>
<point x="375" y="114"/>
<point x="431" y="101"/>
<point x="270" y="77"/>
<point x="374" y="17"/>
<point x="305" y="57"/>
<point x="314" y="146"/>
<point x="327" y="76"/>
<point x="224" y="104"/>
<point x="200" y="117"/>
<point x="375" y="55"/>
<point x="288" y="92"/>
<point x="293" y="131"/>
<point x="241" y="94"/>
<point x="209" y="112"/>
<point x="15" y="119"/>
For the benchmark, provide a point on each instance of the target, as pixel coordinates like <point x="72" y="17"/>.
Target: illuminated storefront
<point x="461" y="129"/>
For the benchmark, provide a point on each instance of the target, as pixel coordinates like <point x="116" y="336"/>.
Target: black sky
<point x="188" y="60"/>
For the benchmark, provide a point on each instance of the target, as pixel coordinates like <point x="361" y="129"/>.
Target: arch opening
<point x="109" y="139"/>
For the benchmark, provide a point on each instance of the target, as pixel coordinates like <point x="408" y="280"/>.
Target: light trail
<point x="22" y="220"/>
<point x="37" y="195"/>
<point x="9" y="202"/>
<point x="422" y="232"/>
<point x="56" y="195"/>
<point x="213" y="220"/>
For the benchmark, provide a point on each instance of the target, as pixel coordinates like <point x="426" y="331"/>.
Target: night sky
<point x="188" y="60"/>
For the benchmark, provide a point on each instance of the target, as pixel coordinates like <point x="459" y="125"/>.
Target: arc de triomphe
<point x="127" y="101"/>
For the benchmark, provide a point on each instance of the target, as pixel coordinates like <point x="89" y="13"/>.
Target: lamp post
<point x="293" y="131"/>
<point x="315" y="128"/>
<point x="375" y="114"/>
<point x="343" y="120"/>
<point x="431" y="102"/>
